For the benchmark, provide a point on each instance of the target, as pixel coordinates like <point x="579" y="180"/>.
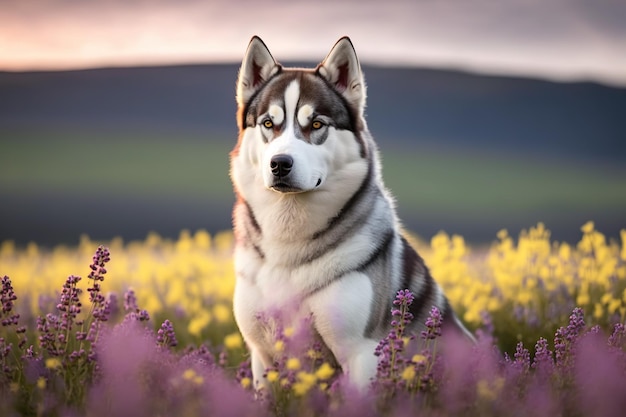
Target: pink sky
<point x="555" y="39"/>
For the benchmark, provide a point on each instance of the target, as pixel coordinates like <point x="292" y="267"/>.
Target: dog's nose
<point x="281" y="165"/>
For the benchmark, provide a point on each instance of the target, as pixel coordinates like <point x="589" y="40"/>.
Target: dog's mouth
<point x="284" y="187"/>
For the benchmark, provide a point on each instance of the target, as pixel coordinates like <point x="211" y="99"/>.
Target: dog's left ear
<point x="257" y="67"/>
<point x="342" y="69"/>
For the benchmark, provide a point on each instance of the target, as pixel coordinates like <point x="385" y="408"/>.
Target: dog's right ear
<point x="257" y="67"/>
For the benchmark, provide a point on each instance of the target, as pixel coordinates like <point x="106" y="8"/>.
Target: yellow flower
<point x="279" y="346"/>
<point x="524" y="297"/>
<point x="233" y="341"/>
<point x="53" y="363"/>
<point x="191" y="375"/>
<point x="582" y="299"/>
<point x="484" y="391"/>
<point x="41" y="382"/>
<point x="202" y="239"/>
<point x="293" y="364"/>
<point x="587" y="227"/>
<point x="306" y="377"/>
<point x="198" y="323"/>
<point x="418" y="358"/>
<point x="324" y="372"/>
<point x="222" y="313"/>
<point x="613" y="306"/>
<point x="288" y="332"/>
<point x="272" y="376"/>
<point x="246" y="382"/>
<point x="305" y="381"/>
<point x="598" y="311"/>
<point x="300" y="389"/>
<point x="408" y="374"/>
<point x="316" y="355"/>
<point x="489" y="391"/>
<point x="405" y="341"/>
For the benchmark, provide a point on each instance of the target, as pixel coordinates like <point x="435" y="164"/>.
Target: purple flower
<point x="201" y="356"/>
<point x="99" y="260"/>
<point x="521" y="358"/>
<point x="112" y="305"/>
<point x="7" y="296"/>
<point x="130" y="301"/>
<point x="69" y="303"/>
<point x="223" y="359"/>
<point x="618" y="337"/>
<point x="142" y="315"/>
<point x="244" y="371"/>
<point x="132" y="310"/>
<point x="433" y="325"/>
<point x="48" y="328"/>
<point x="544" y="361"/>
<point x="166" y="335"/>
<point x="565" y="338"/>
<point x="391" y="361"/>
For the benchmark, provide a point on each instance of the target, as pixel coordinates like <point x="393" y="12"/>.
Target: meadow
<point x="145" y="328"/>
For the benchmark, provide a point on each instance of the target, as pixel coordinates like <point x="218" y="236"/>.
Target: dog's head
<point x="300" y="128"/>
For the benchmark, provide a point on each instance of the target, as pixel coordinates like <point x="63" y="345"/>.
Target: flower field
<point x="146" y="329"/>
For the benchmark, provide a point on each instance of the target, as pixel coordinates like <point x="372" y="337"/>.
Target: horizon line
<point x="612" y="82"/>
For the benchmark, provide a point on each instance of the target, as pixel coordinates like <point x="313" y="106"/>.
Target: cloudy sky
<point x="555" y="39"/>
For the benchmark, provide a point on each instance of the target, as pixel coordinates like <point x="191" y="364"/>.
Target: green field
<point x="467" y="187"/>
<point x="115" y="163"/>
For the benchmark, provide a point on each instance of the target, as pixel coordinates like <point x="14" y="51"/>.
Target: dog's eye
<point x="317" y="125"/>
<point x="268" y="124"/>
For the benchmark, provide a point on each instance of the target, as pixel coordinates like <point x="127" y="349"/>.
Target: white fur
<point x="277" y="114"/>
<point x="304" y="115"/>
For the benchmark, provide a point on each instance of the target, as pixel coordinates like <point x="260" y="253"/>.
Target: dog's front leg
<point x="341" y="312"/>
<point x="361" y="364"/>
<point x="258" y="368"/>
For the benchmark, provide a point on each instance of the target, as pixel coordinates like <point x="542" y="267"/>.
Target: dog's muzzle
<point x="283" y="180"/>
<point x="281" y="165"/>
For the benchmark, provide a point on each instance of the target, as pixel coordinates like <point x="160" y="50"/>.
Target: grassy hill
<point x="124" y="151"/>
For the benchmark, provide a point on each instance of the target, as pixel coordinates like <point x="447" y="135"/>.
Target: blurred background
<point x="116" y="117"/>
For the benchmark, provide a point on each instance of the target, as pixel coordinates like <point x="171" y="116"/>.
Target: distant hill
<point x="122" y="151"/>
<point x="405" y="106"/>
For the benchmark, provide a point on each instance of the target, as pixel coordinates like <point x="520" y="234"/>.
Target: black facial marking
<point x="316" y="91"/>
<point x="272" y="92"/>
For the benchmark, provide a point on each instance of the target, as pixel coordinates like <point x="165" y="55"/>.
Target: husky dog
<point x="315" y="228"/>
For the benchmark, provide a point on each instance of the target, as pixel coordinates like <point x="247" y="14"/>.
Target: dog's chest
<point x="267" y="305"/>
<point x="278" y="288"/>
